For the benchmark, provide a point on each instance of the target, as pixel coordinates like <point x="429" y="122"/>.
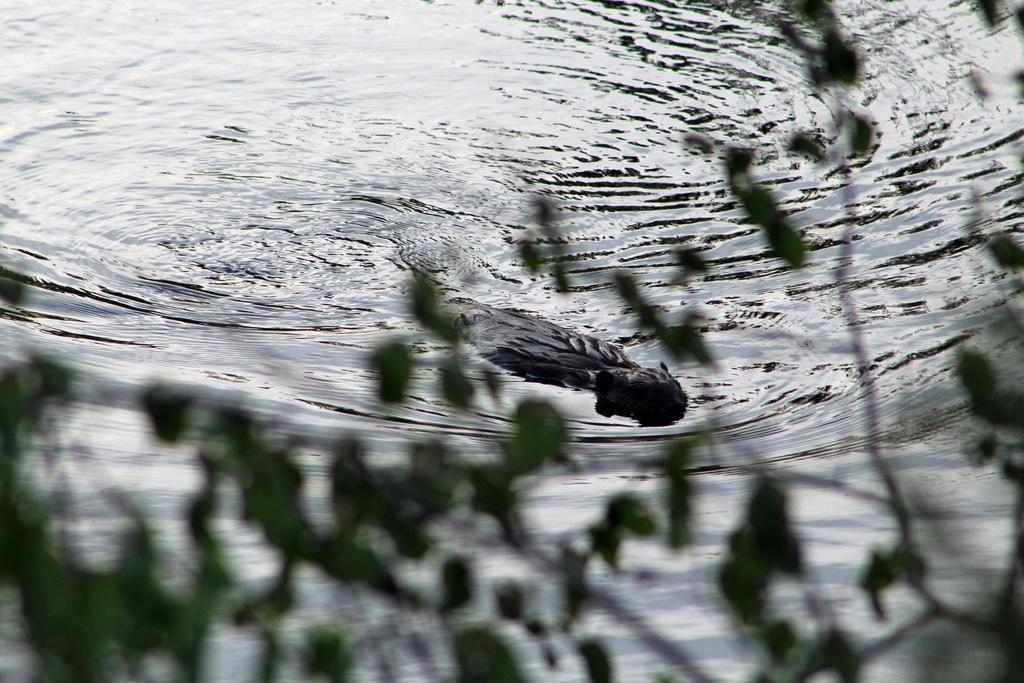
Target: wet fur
<point x="539" y="351"/>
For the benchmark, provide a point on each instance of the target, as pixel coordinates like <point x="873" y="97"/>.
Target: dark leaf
<point x="12" y="291"/>
<point x="545" y="211"/>
<point x="630" y="513"/>
<point x="327" y="655"/>
<point x="978" y="378"/>
<point x="168" y="412"/>
<point x="768" y="519"/>
<point x="509" y="597"/>
<point x="530" y="256"/>
<point x="457" y="389"/>
<point x="482" y="657"/>
<point x="393" y="364"/>
<point x="690" y="261"/>
<point x="841" y="61"/>
<point x="836" y="654"/>
<point x="787" y="243"/>
<point x="427" y="309"/>
<point x="678" y="496"/>
<point x="804" y="144"/>
<point x="599" y="666"/>
<point x="457" y="581"/>
<point x="1006" y="251"/>
<point x="861" y="135"/>
<point x="779" y="639"/>
<point x="737" y="161"/>
<point x="989" y="11"/>
<point x="699" y="142"/>
<point x="539" y="437"/>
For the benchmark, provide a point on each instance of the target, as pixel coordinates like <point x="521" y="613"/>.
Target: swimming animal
<point x="540" y="351"/>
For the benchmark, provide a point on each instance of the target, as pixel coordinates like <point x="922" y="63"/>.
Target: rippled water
<point x="236" y="198"/>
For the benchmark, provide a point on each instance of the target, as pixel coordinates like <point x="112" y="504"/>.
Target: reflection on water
<point x="238" y="204"/>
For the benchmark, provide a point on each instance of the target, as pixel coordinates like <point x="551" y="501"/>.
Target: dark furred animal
<point x="540" y="351"/>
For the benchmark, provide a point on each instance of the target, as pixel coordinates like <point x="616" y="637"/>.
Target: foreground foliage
<point x="149" y="611"/>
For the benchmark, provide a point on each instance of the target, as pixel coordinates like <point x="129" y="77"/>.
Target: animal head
<point x="650" y="396"/>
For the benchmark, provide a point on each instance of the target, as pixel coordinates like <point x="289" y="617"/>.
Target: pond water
<point x="235" y="199"/>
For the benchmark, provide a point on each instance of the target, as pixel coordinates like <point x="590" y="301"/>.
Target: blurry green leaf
<point x="561" y="275"/>
<point x="685" y="341"/>
<point x="12" y="291"/>
<point x="978" y="378"/>
<point x="812" y="9"/>
<point x="861" y="135"/>
<point x="989" y="11"/>
<point x="509" y="597"/>
<point x="1006" y="252"/>
<point x="699" y="142"/>
<point x="787" y="243"/>
<point x="482" y="657"/>
<point x="493" y="494"/>
<point x="605" y="541"/>
<point x="545" y="211"/>
<point x="530" y="255"/>
<point x="804" y="144"/>
<point x="768" y="519"/>
<point x="986" y="447"/>
<point x="841" y="61"/>
<point x="427" y="308"/>
<point x="882" y="571"/>
<point x="167" y="410"/>
<point x="737" y="161"/>
<point x="393" y="364"/>
<point x="678" y="496"/>
<point x="51" y="378"/>
<point x="457" y="388"/>
<point x="574" y="584"/>
<point x="327" y="654"/>
<point x="690" y="261"/>
<point x="743" y="578"/>
<point x="539" y="436"/>
<point x="630" y="513"/>
<point x="457" y="581"/>
<point x="779" y="639"/>
<point x="599" y="666"/>
<point x="625" y="285"/>
<point x="836" y="654"/>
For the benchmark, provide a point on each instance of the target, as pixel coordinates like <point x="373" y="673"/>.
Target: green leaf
<point x="599" y="666"/>
<point x="545" y="211"/>
<point x="743" y="578"/>
<point x="457" y="581"/>
<point x="605" y="541"/>
<point x="1006" y="252"/>
<point x="482" y="657"/>
<point x="426" y="308"/>
<point x="327" y="654"/>
<point x="882" y="571"/>
<point x="836" y="654"/>
<point x="530" y="255"/>
<point x="841" y="61"/>
<point x="168" y="412"/>
<point x="978" y="378"/>
<point x="393" y="364"/>
<point x="457" y="389"/>
<point x="738" y="161"/>
<point x="768" y="519"/>
<point x="678" y="496"/>
<point x="802" y="143"/>
<point x="989" y="11"/>
<point x="787" y="243"/>
<point x="539" y="437"/>
<point x="630" y="513"/>
<point x="509" y="597"/>
<point x="690" y="261"/>
<point x="861" y="135"/>
<point x="779" y="639"/>
<point x="12" y="291"/>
